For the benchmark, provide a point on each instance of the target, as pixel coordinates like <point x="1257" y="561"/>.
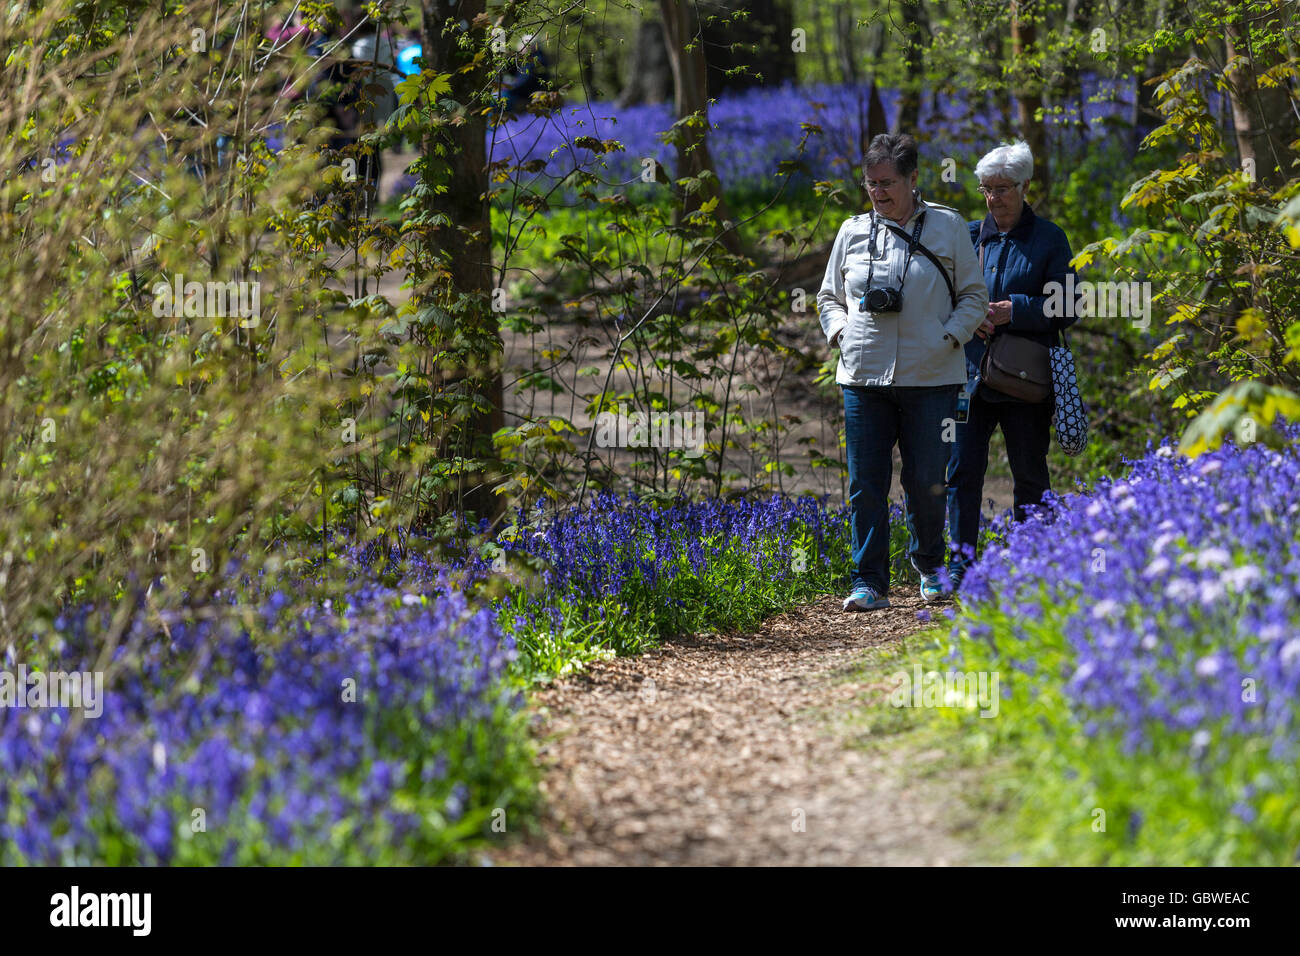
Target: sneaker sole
<point x="851" y="607"/>
<point x="928" y="598"/>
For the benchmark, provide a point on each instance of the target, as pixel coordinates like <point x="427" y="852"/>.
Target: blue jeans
<point x="1027" y="430"/>
<point x="876" y="418"/>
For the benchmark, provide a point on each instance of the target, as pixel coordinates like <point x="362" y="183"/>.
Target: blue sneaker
<point x="932" y="587"/>
<point x="955" y="573"/>
<point x="865" y="599"/>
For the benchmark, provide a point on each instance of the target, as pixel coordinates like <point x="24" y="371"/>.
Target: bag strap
<point x="924" y="250"/>
<point x="996" y="329"/>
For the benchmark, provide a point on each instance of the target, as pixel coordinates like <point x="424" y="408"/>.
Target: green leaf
<point x="1254" y="401"/>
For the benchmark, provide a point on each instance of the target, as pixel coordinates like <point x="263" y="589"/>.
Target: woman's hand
<point x="999" y="314"/>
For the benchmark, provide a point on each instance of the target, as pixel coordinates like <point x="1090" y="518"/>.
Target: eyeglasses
<point x="874" y="185"/>
<point x="997" y="192"/>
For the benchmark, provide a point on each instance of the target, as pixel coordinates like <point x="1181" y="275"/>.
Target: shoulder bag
<point x="1016" y="366"/>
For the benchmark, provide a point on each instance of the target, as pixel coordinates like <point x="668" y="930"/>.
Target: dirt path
<point x="711" y="750"/>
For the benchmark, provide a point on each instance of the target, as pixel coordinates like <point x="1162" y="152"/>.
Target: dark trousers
<point x="876" y="418"/>
<point x="1026" y="428"/>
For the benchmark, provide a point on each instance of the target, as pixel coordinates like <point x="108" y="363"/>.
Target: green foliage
<point x="1246" y="411"/>
<point x="141" y="442"/>
<point x="740" y="583"/>
<point x="156" y="446"/>
<point x="630" y="301"/>
<point x="732" y="593"/>
<point x="1216" y="241"/>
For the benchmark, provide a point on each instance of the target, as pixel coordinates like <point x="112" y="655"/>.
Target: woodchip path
<point x="714" y="749"/>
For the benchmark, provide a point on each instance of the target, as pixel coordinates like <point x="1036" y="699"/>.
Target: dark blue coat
<point x="1018" y="266"/>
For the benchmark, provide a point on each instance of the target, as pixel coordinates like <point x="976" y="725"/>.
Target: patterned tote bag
<point x="1070" y="418"/>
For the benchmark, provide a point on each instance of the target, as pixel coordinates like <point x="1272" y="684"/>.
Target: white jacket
<point x="922" y="344"/>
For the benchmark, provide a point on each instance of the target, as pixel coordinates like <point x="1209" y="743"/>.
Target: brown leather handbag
<point x="1016" y="366"/>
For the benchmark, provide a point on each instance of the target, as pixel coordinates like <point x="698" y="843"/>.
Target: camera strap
<point x="914" y="243"/>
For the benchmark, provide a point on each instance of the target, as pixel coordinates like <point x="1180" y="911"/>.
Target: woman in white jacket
<point x="902" y="294"/>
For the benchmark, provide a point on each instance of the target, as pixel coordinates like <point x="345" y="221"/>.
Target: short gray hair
<point x="896" y="148"/>
<point x="1014" y="161"/>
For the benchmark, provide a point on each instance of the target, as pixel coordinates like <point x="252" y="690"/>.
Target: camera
<point x="881" y="300"/>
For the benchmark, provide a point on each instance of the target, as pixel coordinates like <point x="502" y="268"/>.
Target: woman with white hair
<point x="1021" y="255"/>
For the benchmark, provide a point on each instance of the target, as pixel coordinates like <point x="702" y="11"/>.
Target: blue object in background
<point x="406" y="60"/>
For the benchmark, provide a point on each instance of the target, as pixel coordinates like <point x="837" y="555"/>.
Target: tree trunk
<point x="1028" y="97"/>
<point x="760" y="42"/>
<point x="1264" y="121"/>
<point x="682" y="29"/>
<point x="1000" y="95"/>
<point x="1145" y="115"/>
<point x="1069" y="85"/>
<point x="877" y="121"/>
<point x="908" y="119"/>
<point x="823" y="49"/>
<point x="650" y="74"/>
<point x="844" y="20"/>
<point x="466" y="244"/>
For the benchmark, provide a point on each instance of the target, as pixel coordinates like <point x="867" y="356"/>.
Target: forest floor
<point x="749" y="748"/>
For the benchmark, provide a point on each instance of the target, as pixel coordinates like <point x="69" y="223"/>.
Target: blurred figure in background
<point x="356" y="87"/>
<point x="284" y="39"/>
<point x="527" y="73"/>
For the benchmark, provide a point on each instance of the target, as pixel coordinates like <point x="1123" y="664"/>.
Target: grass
<point x="1130" y="716"/>
<point x="1083" y="800"/>
<point x="977" y="782"/>
<point x="536" y="238"/>
<point x="1032" y="792"/>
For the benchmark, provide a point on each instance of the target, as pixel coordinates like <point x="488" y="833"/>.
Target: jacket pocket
<point x="851" y="340"/>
